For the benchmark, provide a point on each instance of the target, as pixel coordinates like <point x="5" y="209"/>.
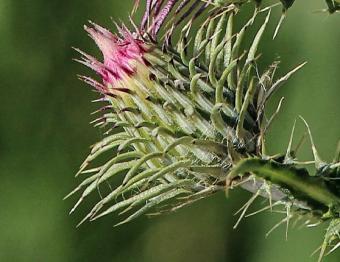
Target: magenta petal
<point x="120" y="56"/>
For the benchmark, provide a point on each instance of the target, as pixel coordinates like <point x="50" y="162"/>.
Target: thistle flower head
<point x="187" y="119"/>
<point x="193" y="122"/>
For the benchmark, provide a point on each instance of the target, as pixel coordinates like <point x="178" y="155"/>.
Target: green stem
<point x="301" y="185"/>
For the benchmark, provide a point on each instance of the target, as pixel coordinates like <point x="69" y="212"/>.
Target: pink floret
<point x="120" y="54"/>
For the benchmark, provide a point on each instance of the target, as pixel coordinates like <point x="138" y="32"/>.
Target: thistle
<point x="185" y="118"/>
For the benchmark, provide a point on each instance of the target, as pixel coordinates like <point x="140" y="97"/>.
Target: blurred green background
<point x="44" y="136"/>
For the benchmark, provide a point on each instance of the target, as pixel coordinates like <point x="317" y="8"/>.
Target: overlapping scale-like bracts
<point x="185" y="114"/>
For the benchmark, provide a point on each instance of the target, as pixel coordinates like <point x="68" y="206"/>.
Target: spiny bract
<point x="187" y="111"/>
